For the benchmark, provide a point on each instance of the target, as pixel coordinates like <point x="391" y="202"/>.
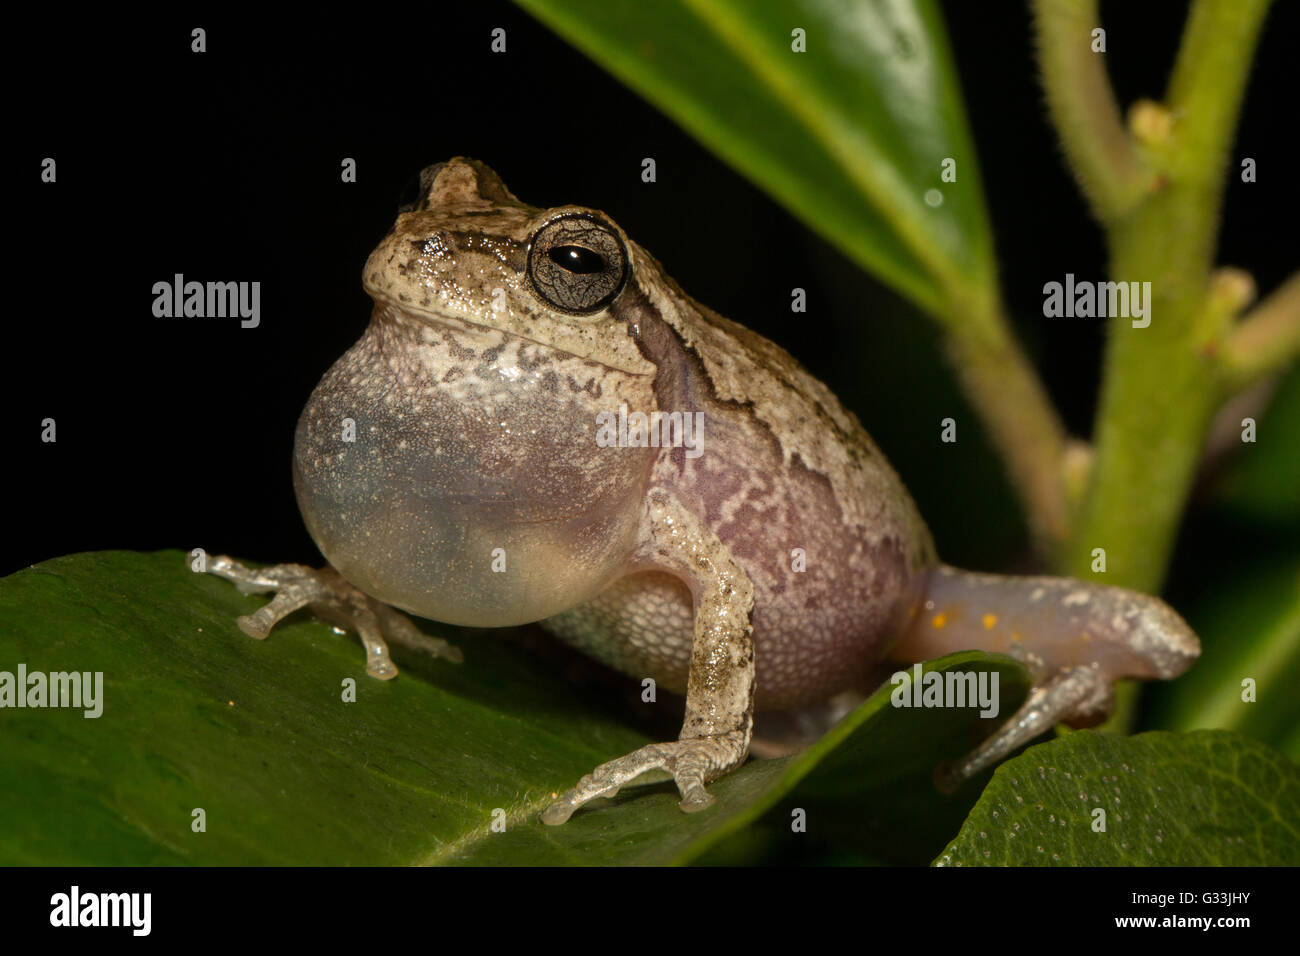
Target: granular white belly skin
<point x="642" y="625"/>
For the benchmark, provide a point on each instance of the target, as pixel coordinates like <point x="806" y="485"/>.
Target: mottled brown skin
<point x="514" y="464"/>
<point x="814" y="633"/>
<point x="475" y="492"/>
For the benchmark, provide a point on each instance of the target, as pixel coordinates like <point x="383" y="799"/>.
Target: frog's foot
<point x="330" y="597"/>
<point x="1079" y="696"/>
<point x="1076" y="639"/>
<point x="692" y="763"/>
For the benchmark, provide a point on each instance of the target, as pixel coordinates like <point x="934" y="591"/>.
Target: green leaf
<point x="1208" y="798"/>
<point x="869" y="787"/>
<point x="849" y="135"/>
<point x="1250" y="629"/>
<point x="198" y="715"/>
<point x="255" y="733"/>
<point x="868" y="781"/>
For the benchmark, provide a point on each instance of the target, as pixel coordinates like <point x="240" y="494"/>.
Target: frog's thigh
<point x="642" y="625"/>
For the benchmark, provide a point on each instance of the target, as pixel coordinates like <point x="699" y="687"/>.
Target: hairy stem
<point x="1161" y="386"/>
<point x="1083" y="107"/>
<point x="1158" y="395"/>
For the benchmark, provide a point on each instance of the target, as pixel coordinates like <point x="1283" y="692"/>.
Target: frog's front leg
<point x="1076" y="639"/>
<point x="720" y="683"/>
<point x="330" y="597"/>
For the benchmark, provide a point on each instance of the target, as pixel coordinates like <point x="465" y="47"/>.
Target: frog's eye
<point x="577" y="263"/>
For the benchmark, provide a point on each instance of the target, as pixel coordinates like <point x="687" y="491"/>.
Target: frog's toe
<point x="400" y="628"/>
<point x="259" y="623"/>
<point x="1080" y="696"/>
<point x="694" y="796"/>
<point x="296" y="587"/>
<point x="691" y="763"/>
<point x="606" y="780"/>
<point x="330" y="597"/>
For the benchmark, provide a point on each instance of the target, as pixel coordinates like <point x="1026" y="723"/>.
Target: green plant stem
<point x="1161" y="386"/>
<point x="1266" y="340"/>
<point x="1083" y="107"/>
<point x="1158" y="394"/>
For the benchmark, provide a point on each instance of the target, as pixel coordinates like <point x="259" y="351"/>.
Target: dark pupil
<point x="577" y="259"/>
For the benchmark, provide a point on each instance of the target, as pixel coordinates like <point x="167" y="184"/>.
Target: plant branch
<point x="1266" y="340"/>
<point x="1157" y="400"/>
<point x="1158" y="396"/>
<point x="1207" y="84"/>
<point x="1083" y="107"/>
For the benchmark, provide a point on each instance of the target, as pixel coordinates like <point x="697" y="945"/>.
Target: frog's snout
<point x="459" y="181"/>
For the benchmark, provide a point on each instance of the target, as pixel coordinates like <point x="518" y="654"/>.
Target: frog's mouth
<point x="480" y="335"/>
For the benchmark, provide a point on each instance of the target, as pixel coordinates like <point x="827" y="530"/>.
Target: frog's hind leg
<point x="330" y="597"/>
<point x="720" y="682"/>
<point x="1076" y="639"/>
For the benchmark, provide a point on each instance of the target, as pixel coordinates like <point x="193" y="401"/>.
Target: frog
<point x="538" y="425"/>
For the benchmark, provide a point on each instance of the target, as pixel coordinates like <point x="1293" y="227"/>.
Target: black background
<point x="225" y="166"/>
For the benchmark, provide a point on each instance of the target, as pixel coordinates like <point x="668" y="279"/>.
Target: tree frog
<point x="539" y="424"/>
